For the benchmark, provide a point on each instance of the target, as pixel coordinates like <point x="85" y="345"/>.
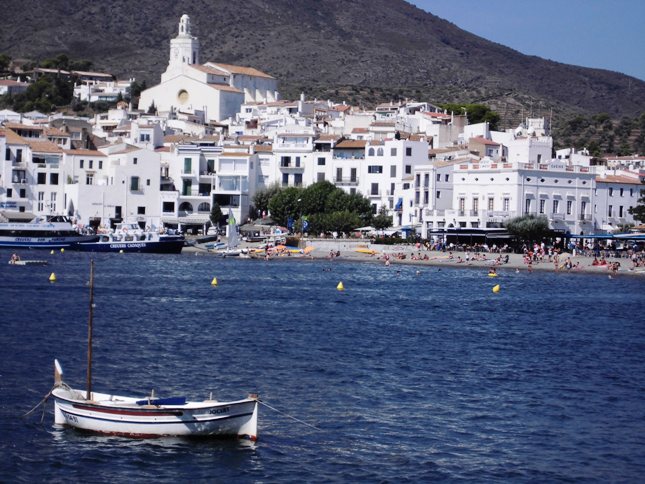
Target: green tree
<point x="314" y="197"/>
<point x="477" y="113"/>
<point x="382" y="221"/>
<point x="284" y="204"/>
<point x="263" y="196"/>
<point x="216" y="214"/>
<point x="5" y="62"/>
<point x="639" y="210"/>
<point x="529" y="228"/>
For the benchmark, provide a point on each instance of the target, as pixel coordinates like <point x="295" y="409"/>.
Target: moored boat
<point x="52" y="232"/>
<point x="129" y="237"/>
<point x="148" y="416"/>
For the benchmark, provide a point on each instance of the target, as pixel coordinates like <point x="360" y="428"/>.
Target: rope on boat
<point x="45" y="398"/>
<point x="288" y="416"/>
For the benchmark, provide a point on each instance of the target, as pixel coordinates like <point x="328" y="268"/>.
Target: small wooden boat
<point x="148" y="416"/>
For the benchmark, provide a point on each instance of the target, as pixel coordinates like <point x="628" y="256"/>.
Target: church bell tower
<point x="184" y="49"/>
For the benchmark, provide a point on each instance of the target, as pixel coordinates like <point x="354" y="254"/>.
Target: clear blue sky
<point x="607" y="34"/>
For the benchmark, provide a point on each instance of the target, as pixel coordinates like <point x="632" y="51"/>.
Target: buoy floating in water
<point x="52" y="252"/>
<point x="52" y="278"/>
<point x="121" y="251"/>
<point x="496" y="288"/>
<point x="62" y="250"/>
<point x="214" y="281"/>
<point x="340" y="286"/>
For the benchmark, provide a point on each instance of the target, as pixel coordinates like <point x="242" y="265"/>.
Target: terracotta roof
<point x="382" y="124"/>
<point x="84" y="152"/>
<point x="234" y="154"/>
<point x="328" y="137"/>
<point x="44" y="147"/>
<point x="342" y="107"/>
<point x="165" y="149"/>
<point x="11" y="82"/>
<point x="224" y="87"/>
<point x="263" y="148"/>
<point x="352" y="143"/>
<point x="437" y="115"/>
<point x="175" y="138"/>
<point x="627" y="180"/>
<point x="22" y="126"/>
<point x="359" y="130"/>
<point x="248" y="71"/>
<point x="127" y="149"/>
<point x="56" y="132"/>
<point x="484" y="141"/>
<point x="208" y="69"/>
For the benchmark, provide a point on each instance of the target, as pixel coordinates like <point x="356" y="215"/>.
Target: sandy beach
<point x="357" y="251"/>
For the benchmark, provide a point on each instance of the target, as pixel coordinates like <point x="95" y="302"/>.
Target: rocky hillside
<point x="357" y="50"/>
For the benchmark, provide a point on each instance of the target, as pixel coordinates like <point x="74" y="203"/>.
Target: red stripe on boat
<point x="120" y="411"/>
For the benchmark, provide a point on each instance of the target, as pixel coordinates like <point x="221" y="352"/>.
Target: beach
<point x="357" y="250"/>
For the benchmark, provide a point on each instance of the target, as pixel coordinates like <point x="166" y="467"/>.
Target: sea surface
<point x="406" y="376"/>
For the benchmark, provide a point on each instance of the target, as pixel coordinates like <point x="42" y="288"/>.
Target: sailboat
<point x="148" y="416"/>
<point x="233" y="240"/>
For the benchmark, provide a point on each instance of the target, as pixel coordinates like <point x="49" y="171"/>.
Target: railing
<point x="346" y="180"/>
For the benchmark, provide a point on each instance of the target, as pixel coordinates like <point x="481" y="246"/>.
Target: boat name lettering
<point x="70" y="417"/>
<point x="129" y="246"/>
<point x="217" y="411"/>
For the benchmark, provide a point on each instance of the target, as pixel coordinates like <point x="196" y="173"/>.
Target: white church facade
<point x="210" y="92"/>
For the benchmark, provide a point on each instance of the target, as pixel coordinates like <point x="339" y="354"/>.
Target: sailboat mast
<point x="89" y="333"/>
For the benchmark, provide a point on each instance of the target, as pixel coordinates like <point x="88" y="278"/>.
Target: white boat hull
<point x="117" y="415"/>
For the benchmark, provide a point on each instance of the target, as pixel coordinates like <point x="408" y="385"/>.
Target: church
<point x="210" y="92"/>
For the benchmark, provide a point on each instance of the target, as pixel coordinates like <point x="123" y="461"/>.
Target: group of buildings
<point x="217" y="133"/>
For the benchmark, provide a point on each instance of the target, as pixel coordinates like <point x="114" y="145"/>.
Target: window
<point x="392" y="171"/>
<point x="7" y="154"/>
<point x="144" y="137"/>
<point x="620" y="211"/>
<point x="462" y="205"/>
<point x="298" y="161"/>
<point x="320" y="177"/>
<point x="583" y="207"/>
<point x="446" y="177"/>
<point x="89" y="179"/>
<point x="506" y="204"/>
<point x="527" y="205"/>
<point x="100" y="164"/>
<point x="426" y="180"/>
<point x="90" y="164"/>
<point x="621" y="192"/>
<point x="188" y="165"/>
<point x="408" y="151"/>
<point x="539" y="158"/>
<point x="41" y="203"/>
<point x="476" y="205"/>
<point x="379" y="152"/>
<point x="186" y="189"/>
<point x="569" y="206"/>
<point x="392" y="151"/>
<point x="141" y="210"/>
<point x="611" y="192"/>
<point x="53" y="178"/>
<point x="542" y="204"/>
<point x="438" y="177"/>
<point x="370" y="152"/>
<point x="406" y="186"/>
<point x="297" y="179"/>
<point x="18" y="156"/>
<point x="610" y="211"/>
<point x="374" y="189"/>
<point x="426" y="197"/>
<point x="148" y="182"/>
<point x="631" y="192"/>
<point x="134" y="161"/>
<point x="408" y="169"/>
<point x="491" y="204"/>
<point x="556" y="206"/>
<point x="168" y="207"/>
<point x="52" y="201"/>
<point x="285" y="179"/>
<point x="438" y="194"/>
<point x="374" y="169"/>
<point x="339" y="174"/>
<point x="22" y="193"/>
<point x="42" y="178"/>
<point x="81" y="163"/>
<point x="417" y="197"/>
<point x="321" y="161"/>
<point x="9" y="192"/>
<point x="134" y="183"/>
<point x="417" y="180"/>
<point x="352" y="175"/>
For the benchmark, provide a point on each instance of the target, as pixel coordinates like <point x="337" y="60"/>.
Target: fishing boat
<point x="129" y="237"/>
<point x="51" y="232"/>
<point x="148" y="416"/>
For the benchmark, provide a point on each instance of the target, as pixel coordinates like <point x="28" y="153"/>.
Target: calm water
<point x="410" y="377"/>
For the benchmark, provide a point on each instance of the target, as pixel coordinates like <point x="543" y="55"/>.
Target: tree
<point x="477" y="113"/>
<point x="284" y="204"/>
<point x="216" y="214"/>
<point x="262" y="197"/>
<point x="639" y="210"/>
<point x="528" y="228"/>
<point x="382" y="221"/>
<point x="5" y="61"/>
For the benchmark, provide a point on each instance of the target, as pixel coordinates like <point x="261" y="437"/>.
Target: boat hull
<point x="45" y="242"/>
<point x="173" y="246"/>
<point x="123" y="417"/>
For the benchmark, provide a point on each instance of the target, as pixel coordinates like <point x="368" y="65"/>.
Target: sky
<point x="606" y="34"/>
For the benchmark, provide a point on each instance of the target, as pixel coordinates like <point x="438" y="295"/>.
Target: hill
<point x="363" y="51"/>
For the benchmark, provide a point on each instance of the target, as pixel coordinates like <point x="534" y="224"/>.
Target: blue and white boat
<point x="52" y="232"/>
<point x="129" y="237"/>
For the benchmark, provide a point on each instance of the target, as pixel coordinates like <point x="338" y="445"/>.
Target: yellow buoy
<point x="52" y="252"/>
<point x="496" y="288"/>
<point x="52" y="278"/>
<point x="62" y="250"/>
<point x="214" y="281"/>
<point x="340" y="286"/>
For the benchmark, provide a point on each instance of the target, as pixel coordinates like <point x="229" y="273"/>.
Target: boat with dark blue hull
<point x="131" y="238"/>
<point x="52" y="232"/>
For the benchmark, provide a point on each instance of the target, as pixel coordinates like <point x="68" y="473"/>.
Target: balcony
<point x="345" y="181"/>
<point x="291" y="167"/>
<point x="583" y="217"/>
<point x="557" y="217"/>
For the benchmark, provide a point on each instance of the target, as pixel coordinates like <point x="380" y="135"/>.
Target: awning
<point x="399" y="204"/>
<point x="188" y="220"/>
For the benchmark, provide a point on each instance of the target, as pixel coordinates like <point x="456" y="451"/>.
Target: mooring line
<point x="289" y="416"/>
<point x="39" y="403"/>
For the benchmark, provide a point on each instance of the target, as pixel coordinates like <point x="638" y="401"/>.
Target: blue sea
<point x="406" y="376"/>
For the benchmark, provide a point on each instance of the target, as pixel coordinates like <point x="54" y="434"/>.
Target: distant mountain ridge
<point x="360" y="50"/>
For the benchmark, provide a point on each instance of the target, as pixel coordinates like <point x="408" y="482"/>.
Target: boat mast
<point x="89" y="333"/>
